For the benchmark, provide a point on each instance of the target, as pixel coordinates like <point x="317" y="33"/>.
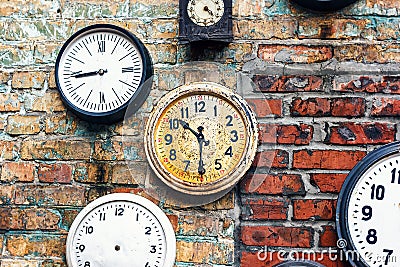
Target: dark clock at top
<point x="205" y="20"/>
<point x="324" y="5"/>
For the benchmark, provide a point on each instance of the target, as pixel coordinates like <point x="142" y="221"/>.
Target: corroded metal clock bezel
<point x="244" y="163"/>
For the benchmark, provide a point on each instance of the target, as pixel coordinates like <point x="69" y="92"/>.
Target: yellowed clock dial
<point x="200" y="138"/>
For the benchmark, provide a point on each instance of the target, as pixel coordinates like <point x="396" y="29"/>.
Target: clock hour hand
<point x="91" y="73"/>
<point x="186" y="126"/>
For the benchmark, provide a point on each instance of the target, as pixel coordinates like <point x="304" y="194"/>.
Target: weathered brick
<point x="280" y="27"/>
<point x="37" y="245"/>
<point x="368" y="84"/>
<point x="55" y="173"/>
<point x="28" y="79"/>
<point x="286" y="84"/>
<point x="266" y="107"/>
<point x="362" y="133"/>
<point x="118" y="150"/>
<point x="16" y="55"/>
<point x="92" y="172"/>
<point x="385" y="107"/>
<point x="59" y="124"/>
<point x="8" y="150"/>
<point x="19" y="7"/>
<point x="203" y="225"/>
<point x="271" y="158"/>
<point x="51" y="195"/>
<point x="388" y="53"/>
<point x="315" y="209"/>
<point x="20" y="124"/>
<point x="265" y="209"/>
<point x="18" y="172"/>
<point x="49" y="102"/>
<point x="163" y="53"/>
<point x="56" y="149"/>
<point x="286" y="134"/>
<point x="277" y="236"/>
<point x="295" y="53"/>
<point x="221" y="252"/>
<point x="19" y="263"/>
<point x="7" y="194"/>
<point x="281" y="184"/>
<point x="328" y="182"/>
<point x="9" y="102"/>
<point x="326" y="159"/>
<point x="53" y="263"/>
<point x="129" y="173"/>
<point x="333" y="28"/>
<point x="28" y="219"/>
<point x="328" y="236"/>
<point x="227" y="202"/>
<point x="325" y="107"/>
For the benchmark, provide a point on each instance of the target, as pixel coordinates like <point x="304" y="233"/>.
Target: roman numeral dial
<point x="100" y="69"/>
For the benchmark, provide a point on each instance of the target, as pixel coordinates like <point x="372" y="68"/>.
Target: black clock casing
<point x="218" y="32"/>
<point x="369" y="180"/>
<point x="324" y="5"/>
<point x="137" y="98"/>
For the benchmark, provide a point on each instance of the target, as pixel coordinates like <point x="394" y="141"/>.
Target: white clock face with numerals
<point x="121" y="230"/>
<point x="372" y="211"/>
<point x="205" y="12"/>
<point x="100" y="69"/>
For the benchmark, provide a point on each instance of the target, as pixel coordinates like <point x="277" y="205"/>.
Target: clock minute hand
<point x="201" y="140"/>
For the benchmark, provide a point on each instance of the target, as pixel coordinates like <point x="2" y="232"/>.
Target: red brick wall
<point x="332" y="84"/>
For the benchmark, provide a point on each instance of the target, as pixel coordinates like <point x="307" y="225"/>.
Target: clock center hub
<point x="117" y="248"/>
<point x="101" y="72"/>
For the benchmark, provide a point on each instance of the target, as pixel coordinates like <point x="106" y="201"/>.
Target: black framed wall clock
<point x="205" y="20"/>
<point x="121" y="229"/>
<point x="201" y="138"/>
<point x="368" y="210"/>
<point x="324" y="5"/>
<point x="100" y="70"/>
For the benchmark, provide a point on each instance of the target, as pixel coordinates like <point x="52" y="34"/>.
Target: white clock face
<point x="121" y="230"/>
<point x="374" y="214"/>
<point x="100" y="70"/>
<point x="205" y="12"/>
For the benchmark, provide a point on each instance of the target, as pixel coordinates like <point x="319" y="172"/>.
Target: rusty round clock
<point x="201" y="138"/>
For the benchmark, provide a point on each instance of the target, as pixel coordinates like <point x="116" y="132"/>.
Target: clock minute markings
<point x="76" y="59"/>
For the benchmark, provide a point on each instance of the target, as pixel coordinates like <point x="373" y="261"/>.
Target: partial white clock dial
<point x="368" y="211"/>
<point x="374" y="213"/>
<point x="205" y="12"/>
<point x="121" y="230"/>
